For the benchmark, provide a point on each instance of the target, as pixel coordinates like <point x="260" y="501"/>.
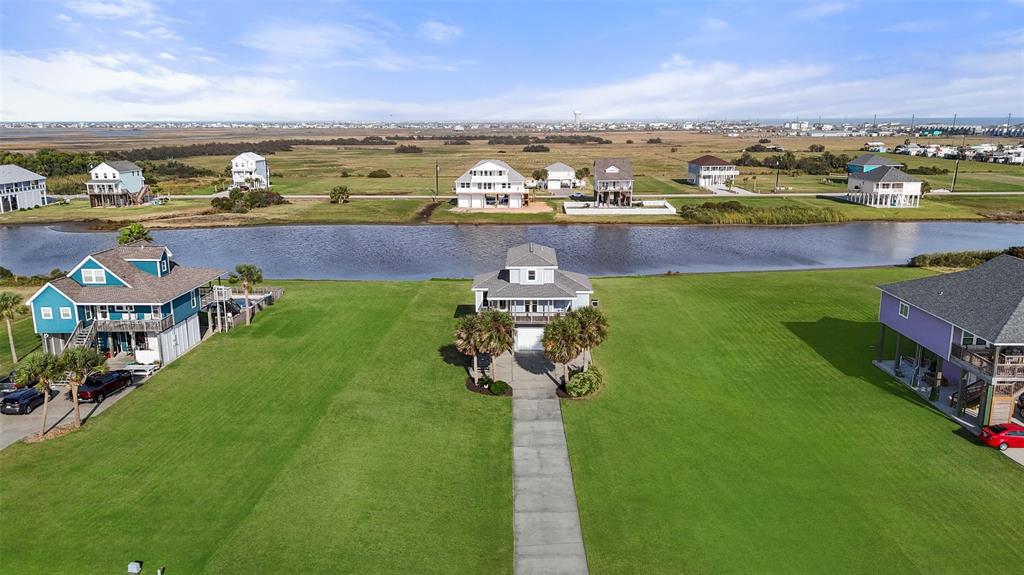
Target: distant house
<point x="116" y="183"/>
<point x="533" y="290"/>
<point x="707" y="171"/>
<point x="250" y="169"/>
<point x="868" y="162"/>
<point x="968" y="329"/>
<point x="491" y="184"/>
<point x="133" y="298"/>
<point x="885" y="187"/>
<point x="613" y="182"/>
<point x="20" y="189"/>
<point x="561" y="176"/>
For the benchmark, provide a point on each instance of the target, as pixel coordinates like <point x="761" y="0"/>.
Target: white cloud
<point x="80" y="86"/>
<point x="821" y="9"/>
<point x="63" y="18"/>
<point x="676" y="61"/>
<point x="438" y="32"/>
<point x="134" y="34"/>
<point x="168" y="56"/>
<point x="715" y="25"/>
<point x="209" y="59"/>
<point x="309" y="41"/>
<point x="114" y="9"/>
<point x="913" y="26"/>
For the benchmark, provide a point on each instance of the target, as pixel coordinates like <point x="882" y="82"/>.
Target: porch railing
<point x="135" y="325"/>
<point x="972" y="358"/>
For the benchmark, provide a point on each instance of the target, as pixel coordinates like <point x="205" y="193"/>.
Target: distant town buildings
<point x="115" y="184"/>
<point x="250" y="169"/>
<point x="20" y="189"/>
<point x="709" y="171"/>
<point x="491" y="184"/>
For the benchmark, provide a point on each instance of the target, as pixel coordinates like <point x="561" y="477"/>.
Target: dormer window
<point x="163" y="266"/>
<point x="94" y="276"/>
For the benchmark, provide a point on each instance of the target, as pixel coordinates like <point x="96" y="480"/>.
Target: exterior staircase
<point x="83" y="336"/>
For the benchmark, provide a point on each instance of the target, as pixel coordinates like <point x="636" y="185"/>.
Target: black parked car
<point x="98" y="387"/>
<point x="21" y="402"/>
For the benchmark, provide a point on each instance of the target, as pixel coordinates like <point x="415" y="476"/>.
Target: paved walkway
<point x="548" y="538"/>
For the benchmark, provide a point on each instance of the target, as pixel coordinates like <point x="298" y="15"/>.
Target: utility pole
<point x="776" y="190"/>
<point x="956" y="165"/>
<point x="912" y="118"/>
<point x="437" y="172"/>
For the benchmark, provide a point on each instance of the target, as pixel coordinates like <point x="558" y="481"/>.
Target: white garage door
<point x="529" y="338"/>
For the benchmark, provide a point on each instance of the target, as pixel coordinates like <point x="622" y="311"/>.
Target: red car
<point x="1003" y="436"/>
<point x="98" y="387"/>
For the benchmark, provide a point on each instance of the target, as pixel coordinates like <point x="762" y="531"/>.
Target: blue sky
<point x="322" y="59"/>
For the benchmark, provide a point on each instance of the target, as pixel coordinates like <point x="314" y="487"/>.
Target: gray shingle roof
<point x="123" y="166"/>
<point x="145" y="288"/>
<point x="530" y="254"/>
<point x="601" y="166"/>
<point x="513" y="175"/>
<point x="987" y="301"/>
<point x="565" y="286"/>
<point x="560" y="167"/>
<point x="885" y="174"/>
<point x="873" y="160"/>
<point x="11" y="174"/>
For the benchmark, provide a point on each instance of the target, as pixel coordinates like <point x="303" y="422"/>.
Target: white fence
<point x="645" y="208"/>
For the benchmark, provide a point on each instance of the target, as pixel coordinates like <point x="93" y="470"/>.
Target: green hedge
<point x="584" y="383"/>
<point x="964" y="259"/>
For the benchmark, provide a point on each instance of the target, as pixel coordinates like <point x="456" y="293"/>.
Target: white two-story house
<point x="20" y="189"/>
<point x="613" y="182"/>
<point x="116" y="183"/>
<point x="491" y="184"/>
<point x="708" y="171"/>
<point x="561" y="176"/>
<point x="250" y="169"/>
<point x="533" y="290"/>
<point x="885" y="187"/>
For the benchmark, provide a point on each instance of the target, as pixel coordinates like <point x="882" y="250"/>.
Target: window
<point x="124" y="308"/>
<point x="193" y="298"/>
<point x="94" y="276"/>
<point x="904" y="310"/>
<point x="163" y="265"/>
<point x="102" y="312"/>
<point x="531" y="275"/>
<point x="65" y="313"/>
<point x="46" y="312"/>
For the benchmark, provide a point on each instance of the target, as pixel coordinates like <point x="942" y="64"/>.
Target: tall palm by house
<point x="562" y="342"/>
<point x="468" y="340"/>
<point x="10" y="308"/>
<point x="497" y="334"/>
<point x="593" y="329"/>
<point x="248" y="275"/>
<point x="80" y="363"/>
<point x="40" y="371"/>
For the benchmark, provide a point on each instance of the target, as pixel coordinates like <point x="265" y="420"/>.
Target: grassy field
<point x="743" y="429"/>
<point x="331" y="434"/>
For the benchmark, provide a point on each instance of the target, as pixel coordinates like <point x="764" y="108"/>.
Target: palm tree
<point x="10" y="308"/>
<point x="133" y="232"/>
<point x="593" y="329"/>
<point x="40" y="371"/>
<point x="249" y="275"/>
<point x="562" y="342"/>
<point x="80" y="363"/>
<point x="497" y="334"/>
<point x="468" y="339"/>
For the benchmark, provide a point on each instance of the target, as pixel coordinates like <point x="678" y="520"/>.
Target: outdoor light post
<point x="776" y="190"/>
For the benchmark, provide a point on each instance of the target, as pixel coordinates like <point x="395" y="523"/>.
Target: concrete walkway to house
<point x="548" y="538"/>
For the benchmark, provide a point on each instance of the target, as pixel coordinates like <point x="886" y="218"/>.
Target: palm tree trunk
<point x="248" y="310"/>
<point x="74" y="397"/>
<point x="46" y="405"/>
<point x="10" y="340"/>
<point x="476" y="372"/>
<point x="565" y="373"/>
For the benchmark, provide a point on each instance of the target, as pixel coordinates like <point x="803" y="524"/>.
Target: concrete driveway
<point x="1015" y="454"/>
<point x="14" y="428"/>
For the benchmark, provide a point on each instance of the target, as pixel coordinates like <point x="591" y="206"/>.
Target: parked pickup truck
<point x="97" y="387"/>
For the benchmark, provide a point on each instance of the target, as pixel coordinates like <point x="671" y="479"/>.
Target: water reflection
<point x="416" y="252"/>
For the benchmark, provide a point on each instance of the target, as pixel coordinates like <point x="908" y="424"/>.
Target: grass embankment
<point x="738" y="213"/>
<point x="26" y="341"/>
<point x="329" y="436"/>
<point x="743" y="429"/>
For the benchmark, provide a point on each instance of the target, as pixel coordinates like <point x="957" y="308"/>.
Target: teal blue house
<point x="868" y="162"/>
<point x="131" y="299"/>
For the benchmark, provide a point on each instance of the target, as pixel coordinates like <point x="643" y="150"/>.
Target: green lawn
<point x="328" y="437"/>
<point x="25" y="342"/>
<point x="743" y="429"/>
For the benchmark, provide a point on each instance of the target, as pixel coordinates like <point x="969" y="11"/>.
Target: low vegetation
<point x="378" y="173"/>
<point x="339" y="195"/>
<point x="961" y="259"/>
<point x="584" y="383"/>
<point x="240" y="202"/>
<point x="408" y="149"/>
<point x="733" y="212"/>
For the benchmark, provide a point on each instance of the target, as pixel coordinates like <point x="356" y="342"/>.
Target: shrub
<point x="653" y="140"/>
<point x="485" y="381"/>
<point x="1016" y="251"/>
<point x="764" y="141"/>
<point x="964" y="259"/>
<point x="816" y="148"/>
<point x="927" y="171"/>
<point x="499" y="388"/>
<point x="629" y="141"/>
<point x="345" y="172"/>
<point x="5" y="273"/>
<point x="378" y="173"/>
<point x="536" y="148"/>
<point x="733" y="212"/>
<point x="584" y="383"/>
<point x="408" y="149"/>
<point x="339" y="194"/>
<point x="456" y="142"/>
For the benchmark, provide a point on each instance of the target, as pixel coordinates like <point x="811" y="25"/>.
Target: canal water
<point x="435" y="251"/>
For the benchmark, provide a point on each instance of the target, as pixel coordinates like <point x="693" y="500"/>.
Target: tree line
<point x="821" y="164"/>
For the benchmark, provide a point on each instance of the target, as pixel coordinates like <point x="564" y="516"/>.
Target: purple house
<point x="971" y="324"/>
